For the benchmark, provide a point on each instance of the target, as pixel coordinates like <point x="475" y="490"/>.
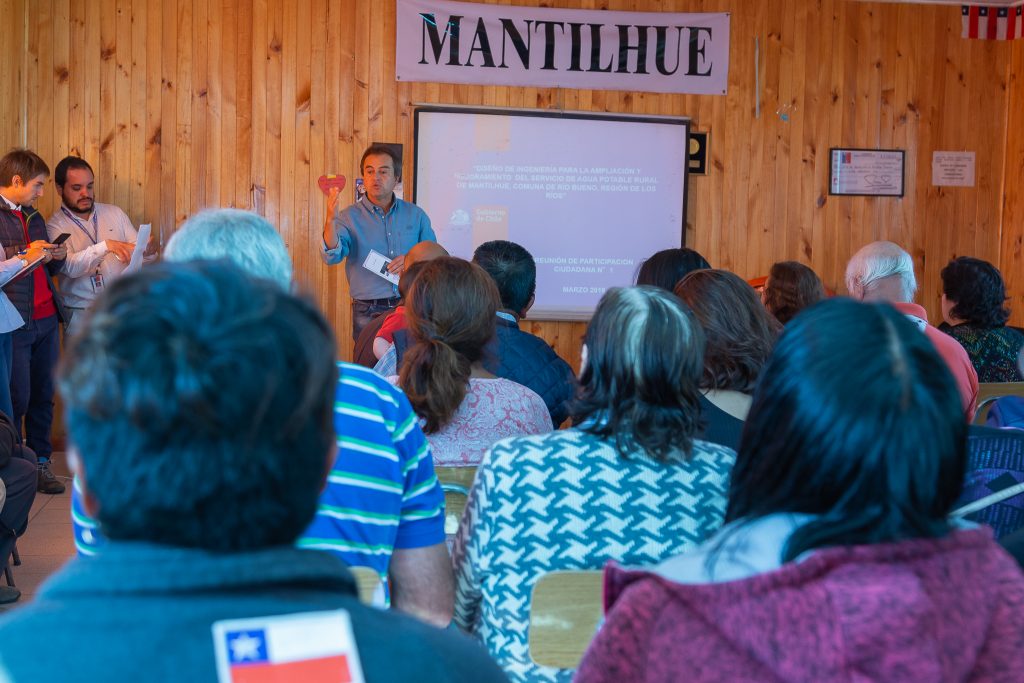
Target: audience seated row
<point x="772" y="507"/>
<point x="199" y="404"/>
<point x="837" y="560"/>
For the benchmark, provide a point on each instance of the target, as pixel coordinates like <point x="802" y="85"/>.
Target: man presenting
<point x="101" y="242"/>
<point x="379" y="222"/>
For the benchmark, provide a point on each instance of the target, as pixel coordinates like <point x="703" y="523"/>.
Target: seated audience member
<point x="382" y="507"/>
<point x="199" y="408"/>
<point x="975" y="314"/>
<point x="628" y="482"/>
<point x="18" y="478"/>
<point x="394" y="321"/>
<point x="464" y="408"/>
<point x="242" y="237"/>
<point x="790" y="288"/>
<point x="513" y="354"/>
<point x="669" y="266"/>
<point x="740" y="334"/>
<point x="838" y="561"/>
<point x="365" y="351"/>
<point x="523" y="357"/>
<point x="883" y="272"/>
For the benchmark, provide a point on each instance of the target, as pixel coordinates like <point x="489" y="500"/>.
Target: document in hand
<point x="140" y="248"/>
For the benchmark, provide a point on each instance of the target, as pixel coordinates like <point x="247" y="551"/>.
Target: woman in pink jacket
<point x="838" y="561"/>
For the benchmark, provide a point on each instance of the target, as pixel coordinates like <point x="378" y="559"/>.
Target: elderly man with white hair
<point x="884" y="272"/>
<point x="382" y="506"/>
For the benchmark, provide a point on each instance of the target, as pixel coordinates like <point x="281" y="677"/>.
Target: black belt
<point x="391" y="303"/>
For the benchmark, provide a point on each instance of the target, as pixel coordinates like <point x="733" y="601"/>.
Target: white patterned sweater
<point x="568" y="501"/>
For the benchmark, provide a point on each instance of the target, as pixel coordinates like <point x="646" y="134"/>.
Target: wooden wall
<point x="1012" y="248"/>
<point x="186" y="104"/>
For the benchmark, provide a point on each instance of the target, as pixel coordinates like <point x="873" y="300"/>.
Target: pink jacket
<point x="955" y="356"/>
<point x="924" y="611"/>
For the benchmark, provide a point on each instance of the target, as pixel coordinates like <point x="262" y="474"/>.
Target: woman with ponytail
<point x="451" y="315"/>
<point x="839" y="560"/>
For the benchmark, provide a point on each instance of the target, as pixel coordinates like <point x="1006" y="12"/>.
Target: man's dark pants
<point x="19" y="476"/>
<point x="364" y="311"/>
<point x="35" y="350"/>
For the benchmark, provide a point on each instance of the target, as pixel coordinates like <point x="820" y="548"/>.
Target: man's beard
<point x="81" y="212"/>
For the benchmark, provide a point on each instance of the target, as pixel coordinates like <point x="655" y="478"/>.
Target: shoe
<point x="48" y="482"/>
<point x="9" y="594"/>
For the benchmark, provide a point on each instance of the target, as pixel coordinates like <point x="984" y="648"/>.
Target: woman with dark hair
<point x="628" y="482"/>
<point x="451" y="315"/>
<point x="975" y="313"/>
<point x="669" y="266"/>
<point x="740" y="334"/>
<point x="838" y="560"/>
<point x="790" y="288"/>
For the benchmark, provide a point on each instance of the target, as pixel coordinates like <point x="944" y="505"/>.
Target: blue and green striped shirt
<point x="381" y="493"/>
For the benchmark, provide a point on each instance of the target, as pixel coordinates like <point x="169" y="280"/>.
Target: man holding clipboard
<point x="30" y="332"/>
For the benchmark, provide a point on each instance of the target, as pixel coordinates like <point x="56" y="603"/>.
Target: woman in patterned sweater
<point x="628" y="482"/>
<point x="975" y="313"/>
<point x="839" y="561"/>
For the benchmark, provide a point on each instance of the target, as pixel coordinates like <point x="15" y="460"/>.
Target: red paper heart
<point x="326" y="182"/>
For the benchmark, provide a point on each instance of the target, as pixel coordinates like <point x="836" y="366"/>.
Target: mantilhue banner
<point x="464" y="42"/>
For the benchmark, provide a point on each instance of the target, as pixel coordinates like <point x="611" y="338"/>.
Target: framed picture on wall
<point x="867" y="172"/>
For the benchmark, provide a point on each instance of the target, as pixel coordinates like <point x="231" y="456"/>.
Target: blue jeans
<point x="5" y="374"/>
<point x="34" y="355"/>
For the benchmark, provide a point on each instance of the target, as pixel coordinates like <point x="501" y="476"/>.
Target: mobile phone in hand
<point x="61" y="238"/>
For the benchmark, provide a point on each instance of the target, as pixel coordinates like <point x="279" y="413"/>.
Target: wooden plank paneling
<point x="1011" y="251"/>
<point x="181" y="105"/>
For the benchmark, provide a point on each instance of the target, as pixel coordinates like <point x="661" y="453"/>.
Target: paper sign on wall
<point x="953" y="169"/>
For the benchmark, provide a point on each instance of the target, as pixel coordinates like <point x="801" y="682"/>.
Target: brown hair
<point x="23" y="163"/>
<point x="791" y="287"/>
<point x="377" y="149"/>
<point x="740" y="332"/>
<point x="451" y="312"/>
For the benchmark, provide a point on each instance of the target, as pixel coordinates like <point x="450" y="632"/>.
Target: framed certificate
<point x="866" y="172"/>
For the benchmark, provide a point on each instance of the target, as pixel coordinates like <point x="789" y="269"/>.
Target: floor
<point x="49" y="541"/>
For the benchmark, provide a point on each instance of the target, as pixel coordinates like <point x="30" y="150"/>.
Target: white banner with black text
<point x="466" y="42"/>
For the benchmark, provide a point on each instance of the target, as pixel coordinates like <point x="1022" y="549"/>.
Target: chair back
<point x="368" y="581"/>
<point x="989" y="392"/>
<point x="565" y="611"/>
<point x="455" y="482"/>
<point x="992" y="492"/>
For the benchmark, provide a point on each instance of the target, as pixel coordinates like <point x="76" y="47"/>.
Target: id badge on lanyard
<point x="97" y="282"/>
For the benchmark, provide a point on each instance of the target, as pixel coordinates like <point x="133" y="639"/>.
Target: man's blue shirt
<point x="365" y="226"/>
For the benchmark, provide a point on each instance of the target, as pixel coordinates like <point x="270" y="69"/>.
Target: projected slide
<point x="590" y="197"/>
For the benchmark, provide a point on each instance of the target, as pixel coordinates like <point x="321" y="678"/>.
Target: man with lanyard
<point x="34" y="345"/>
<point x="379" y="222"/>
<point x="101" y="242"/>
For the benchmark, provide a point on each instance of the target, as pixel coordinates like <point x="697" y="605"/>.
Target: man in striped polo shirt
<point x="383" y="507"/>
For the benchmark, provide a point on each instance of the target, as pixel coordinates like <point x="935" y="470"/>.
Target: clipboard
<point x="32" y="265"/>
